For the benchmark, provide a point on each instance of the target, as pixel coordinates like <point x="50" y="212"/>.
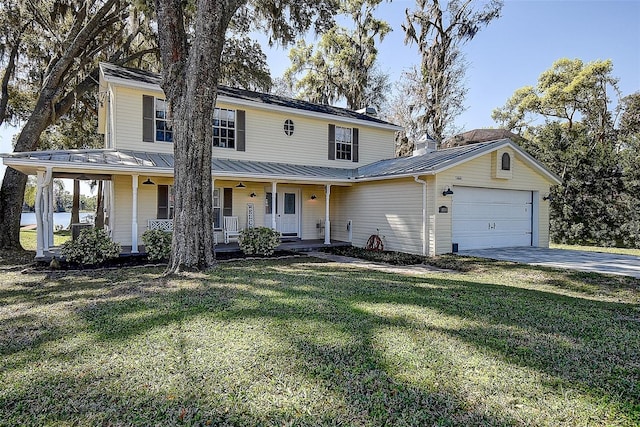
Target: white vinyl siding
<point x="393" y="207"/>
<point x="264" y="136"/>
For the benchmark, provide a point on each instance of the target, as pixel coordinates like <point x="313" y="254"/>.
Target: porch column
<point x="327" y="223"/>
<point x="45" y="210"/>
<point x="50" y="212"/>
<point x="273" y="205"/>
<point x="134" y="215"/>
<point x="40" y="236"/>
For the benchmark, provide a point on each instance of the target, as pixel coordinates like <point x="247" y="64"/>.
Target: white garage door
<point x="491" y="218"/>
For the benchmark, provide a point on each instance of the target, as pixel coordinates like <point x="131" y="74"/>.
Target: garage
<point x="491" y="218"/>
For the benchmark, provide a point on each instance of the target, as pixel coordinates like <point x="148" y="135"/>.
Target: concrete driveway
<point x="597" y="262"/>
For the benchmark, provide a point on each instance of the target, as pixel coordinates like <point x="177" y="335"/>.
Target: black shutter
<point x="354" y="143"/>
<point x="163" y="202"/>
<point x="227" y="209"/>
<point x="240" y="125"/>
<point x="332" y="142"/>
<point x="148" y="118"/>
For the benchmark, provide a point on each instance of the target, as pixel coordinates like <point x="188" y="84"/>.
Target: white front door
<point x="287" y="211"/>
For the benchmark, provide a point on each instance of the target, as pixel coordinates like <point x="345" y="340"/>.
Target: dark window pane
<point x="289" y="203"/>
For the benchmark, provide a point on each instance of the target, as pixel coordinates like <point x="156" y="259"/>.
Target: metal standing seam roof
<point x="116" y="71"/>
<point x="427" y="163"/>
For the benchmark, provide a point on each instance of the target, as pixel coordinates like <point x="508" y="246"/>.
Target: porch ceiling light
<point x="241" y="185"/>
<point x="447" y="192"/>
<point x="148" y="182"/>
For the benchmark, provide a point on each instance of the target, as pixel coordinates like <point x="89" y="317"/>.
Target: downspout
<point x="424" y="213"/>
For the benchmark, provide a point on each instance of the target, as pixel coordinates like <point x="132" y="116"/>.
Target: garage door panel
<point x="486" y="218"/>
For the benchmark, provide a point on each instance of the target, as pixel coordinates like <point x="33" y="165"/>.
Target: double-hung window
<point x="222" y="205"/>
<point x="224" y="128"/>
<point x="156" y="123"/>
<point x="343" y="143"/>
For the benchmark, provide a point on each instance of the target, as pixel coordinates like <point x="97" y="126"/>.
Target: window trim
<point x="225" y="128"/>
<point x="505" y="161"/>
<point x="289" y="127"/>
<point x="339" y="143"/>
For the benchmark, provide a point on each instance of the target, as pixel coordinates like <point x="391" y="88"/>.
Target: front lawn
<point x="304" y="342"/>
<point x="621" y="251"/>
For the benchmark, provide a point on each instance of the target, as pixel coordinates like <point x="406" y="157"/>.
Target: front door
<point x="287" y="211"/>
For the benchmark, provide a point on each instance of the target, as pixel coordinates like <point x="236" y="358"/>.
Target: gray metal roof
<point x="426" y="163"/>
<point x="113" y="160"/>
<point x="116" y="71"/>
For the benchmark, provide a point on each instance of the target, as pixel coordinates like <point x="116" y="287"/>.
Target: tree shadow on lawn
<point x="580" y="342"/>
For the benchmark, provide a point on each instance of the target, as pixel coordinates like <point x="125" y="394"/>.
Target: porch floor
<point x="294" y="246"/>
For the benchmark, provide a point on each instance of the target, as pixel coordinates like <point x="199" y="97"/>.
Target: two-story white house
<point x="309" y="171"/>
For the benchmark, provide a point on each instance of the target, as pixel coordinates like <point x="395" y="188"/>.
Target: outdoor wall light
<point x="252" y="195"/>
<point x="313" y="197"/>
<point x="241" y="185"/>
<point x="447" y="192"/>
<point x="148" y="182"/>
<point x="547" y="197"/>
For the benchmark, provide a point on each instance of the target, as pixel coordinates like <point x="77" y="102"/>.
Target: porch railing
<point x="160" y="224"/>
<point x="167" y="225"/>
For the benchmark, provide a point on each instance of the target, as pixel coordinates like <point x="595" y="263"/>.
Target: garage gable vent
<point x="425" y="144"/>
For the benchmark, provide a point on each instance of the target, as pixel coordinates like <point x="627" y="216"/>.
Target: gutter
<point x="424" y="213"/>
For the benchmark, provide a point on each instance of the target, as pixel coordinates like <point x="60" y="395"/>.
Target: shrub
<point x="93" y="246"/>
<point x="259" y="241"/>
<point x="157" y="243"/>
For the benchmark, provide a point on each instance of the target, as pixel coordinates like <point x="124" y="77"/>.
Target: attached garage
<point x="485" y="195"/>
<point x="492" y="218"/>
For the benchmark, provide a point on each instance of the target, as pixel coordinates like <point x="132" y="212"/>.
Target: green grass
<point x="622" y="251"/>
<point x="303" y="342"/>
<point x="28" y="238"/>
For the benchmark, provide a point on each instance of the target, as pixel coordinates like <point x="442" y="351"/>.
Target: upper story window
<point x="156" y="124"/>
<point x="506" y="162"/>
<point x="164" y="133"/>
<point x="288" y="127"/>
<point x="224" y="128"/>
<point x="343" y="143"/>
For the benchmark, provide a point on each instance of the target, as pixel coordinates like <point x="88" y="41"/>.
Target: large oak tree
<point x="191" y="49"/>
<point x="55" y="47"/>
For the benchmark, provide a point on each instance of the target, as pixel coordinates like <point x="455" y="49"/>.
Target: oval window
<point x="506" y="162"/>
<point x="288" y="127"/>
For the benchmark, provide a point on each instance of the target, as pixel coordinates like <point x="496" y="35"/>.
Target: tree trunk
<point x="99" y="223"/>
<point x="190" y="82"/>
<point x="11" y="197"/>
<point x="75" y="208"/>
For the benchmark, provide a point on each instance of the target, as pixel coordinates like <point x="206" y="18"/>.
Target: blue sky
<point x="513" y="50"/>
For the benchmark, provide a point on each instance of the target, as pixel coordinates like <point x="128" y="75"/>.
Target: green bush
<point x="93" y="246"/>
<point x="259" y="241"/>
<point x="157" y="243"/>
